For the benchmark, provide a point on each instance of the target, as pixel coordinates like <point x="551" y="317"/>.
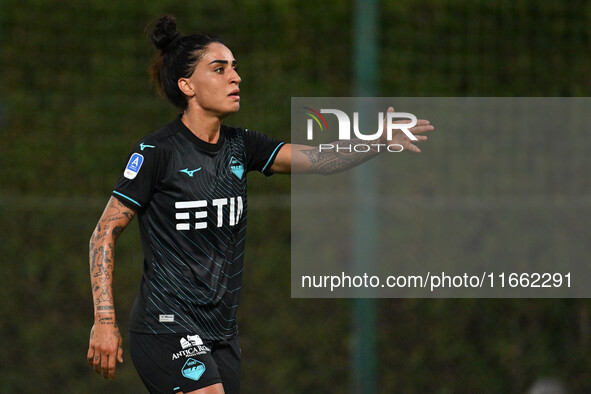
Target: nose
<point x="235" y="78"/>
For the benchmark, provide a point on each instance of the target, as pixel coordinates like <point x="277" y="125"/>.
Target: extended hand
<point x="398" y="137"/>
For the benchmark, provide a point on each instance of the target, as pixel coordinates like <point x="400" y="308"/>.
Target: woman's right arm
<point x="104" y="348"/>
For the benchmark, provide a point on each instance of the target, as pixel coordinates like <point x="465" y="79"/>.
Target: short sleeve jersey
<point x="190" y="197"/>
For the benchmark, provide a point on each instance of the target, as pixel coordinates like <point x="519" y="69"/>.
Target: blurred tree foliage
<point x="75" y="97"/>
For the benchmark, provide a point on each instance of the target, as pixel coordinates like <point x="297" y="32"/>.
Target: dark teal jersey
<point x="190" y="198"/>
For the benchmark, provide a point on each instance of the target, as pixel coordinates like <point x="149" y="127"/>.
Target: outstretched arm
<point x="309" y="159"/>
<point x="104" y="348"/>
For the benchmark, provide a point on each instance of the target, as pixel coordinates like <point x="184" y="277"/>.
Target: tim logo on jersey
<point x="228" y="211"/>
<point x="194" y="214"/>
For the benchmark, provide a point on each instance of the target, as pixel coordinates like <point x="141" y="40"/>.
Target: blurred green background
<point x="75" y="98"/>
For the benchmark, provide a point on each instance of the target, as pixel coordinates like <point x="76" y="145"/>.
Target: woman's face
<point x="215" y="81"/>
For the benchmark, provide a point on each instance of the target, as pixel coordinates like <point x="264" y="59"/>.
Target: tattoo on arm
<point x="117" y="230"/>
<point x="105" y="320"/>
<point x="342" y="158"/>
<point x="102" y="255"/>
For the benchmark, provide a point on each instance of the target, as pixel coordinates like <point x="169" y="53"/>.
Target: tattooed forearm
<point x="342" y="158"/>
<point x="102" y="255"/>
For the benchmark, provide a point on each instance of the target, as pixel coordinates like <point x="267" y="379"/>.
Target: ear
<point x="186" y="87"/>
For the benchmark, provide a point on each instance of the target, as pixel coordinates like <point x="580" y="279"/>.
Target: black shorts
<point x="171" y="363"/>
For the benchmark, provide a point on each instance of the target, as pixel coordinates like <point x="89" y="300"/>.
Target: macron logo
<point x="190" y="172"/>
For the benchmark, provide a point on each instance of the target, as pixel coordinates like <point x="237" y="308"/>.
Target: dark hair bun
<point x="165" y="32"/>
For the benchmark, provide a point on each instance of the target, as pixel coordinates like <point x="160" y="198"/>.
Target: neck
<point x="205" y="126"/>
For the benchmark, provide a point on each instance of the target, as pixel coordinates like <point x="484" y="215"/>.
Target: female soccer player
<point x="187" y="184"/>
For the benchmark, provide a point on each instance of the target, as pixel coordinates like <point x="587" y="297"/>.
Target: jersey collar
<point x="206" y="146"/>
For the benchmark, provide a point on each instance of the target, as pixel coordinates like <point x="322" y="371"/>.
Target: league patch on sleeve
<point x="133" y="166"/>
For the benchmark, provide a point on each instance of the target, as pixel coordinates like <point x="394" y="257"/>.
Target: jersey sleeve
<point x="261" y="151"/>
<point x="140" y="176"/>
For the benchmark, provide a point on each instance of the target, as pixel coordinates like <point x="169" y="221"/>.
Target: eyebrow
<point x="234" y="62"/>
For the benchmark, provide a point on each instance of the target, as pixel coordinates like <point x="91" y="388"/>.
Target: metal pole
<point x="365" y="62"/>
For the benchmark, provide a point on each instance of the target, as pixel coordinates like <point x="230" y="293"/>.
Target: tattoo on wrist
<point x="106" y="320"/>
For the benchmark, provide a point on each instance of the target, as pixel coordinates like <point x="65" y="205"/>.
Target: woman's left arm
<point x="310" y="160"/>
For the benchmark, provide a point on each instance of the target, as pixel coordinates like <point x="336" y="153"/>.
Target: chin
<point x="229" y="112"/>
<point x="235" y="108"/>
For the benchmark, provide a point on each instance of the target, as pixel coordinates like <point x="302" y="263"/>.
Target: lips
<point x="235" y="93"/>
